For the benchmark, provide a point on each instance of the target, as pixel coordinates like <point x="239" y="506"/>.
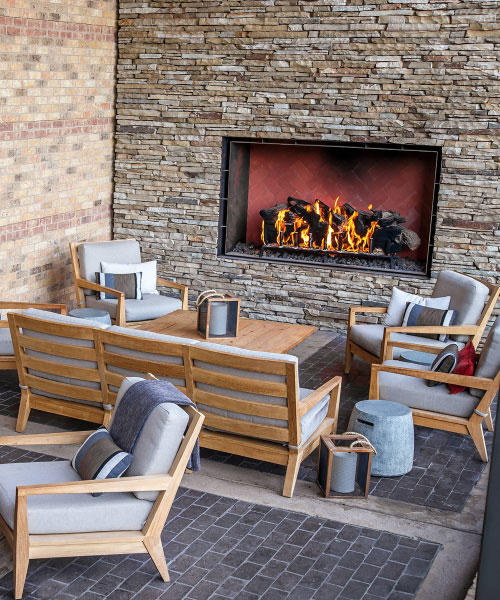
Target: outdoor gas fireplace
<point x="348" y="206"/>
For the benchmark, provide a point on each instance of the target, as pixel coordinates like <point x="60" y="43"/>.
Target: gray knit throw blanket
<point x="137" y="404"/>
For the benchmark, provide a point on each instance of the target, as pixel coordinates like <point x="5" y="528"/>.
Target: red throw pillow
<point x="466" y="364"/>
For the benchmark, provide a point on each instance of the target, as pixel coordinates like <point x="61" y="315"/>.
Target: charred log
<point x="387" y="239"/>
<point x="269" y="216"/>
<point x="318" y="229"/>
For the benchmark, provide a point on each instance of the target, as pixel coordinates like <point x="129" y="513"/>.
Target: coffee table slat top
<point x="253" y="334"/>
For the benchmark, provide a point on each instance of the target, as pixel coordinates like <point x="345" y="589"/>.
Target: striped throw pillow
<point x="128" y="283"/>
<point x="100" y="458"/>
<point x="444" y="362"/>
<point x="418" y="315"/>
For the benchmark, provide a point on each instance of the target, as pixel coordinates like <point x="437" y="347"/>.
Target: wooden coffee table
<point x="253" y="334"/>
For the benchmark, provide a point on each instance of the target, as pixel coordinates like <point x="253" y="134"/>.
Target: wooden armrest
<point x="178" y="286"/>
<point x="368" y="309"/>
<point x="314" y="397"/>
<point x="450" y="329"/>
<point x="355" y="310"/>
<point x="89" y="285"/>
<point x="415" y="346"/>
<point x="40" y="305"/>
<point x="168" y="283"/>
<point x="479" y="383"/>
<point x="39" y="439"/>
<point x="143" y="483"/>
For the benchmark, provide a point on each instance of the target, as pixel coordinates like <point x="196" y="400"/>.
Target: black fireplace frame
<point x="223" y="229"/>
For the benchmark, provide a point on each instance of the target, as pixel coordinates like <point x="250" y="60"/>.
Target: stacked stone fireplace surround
<point x="191" y="72"/>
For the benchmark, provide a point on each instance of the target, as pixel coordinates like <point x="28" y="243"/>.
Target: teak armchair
<point x="119" y="251"/>
<point x="374" y="349"/>
<point x="26" y="546"/>
<point x="7" y="358"/>
<point x="435" y="407"/>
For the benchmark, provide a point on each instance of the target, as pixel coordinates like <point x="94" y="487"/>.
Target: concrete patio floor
<point x="459" y="533"/>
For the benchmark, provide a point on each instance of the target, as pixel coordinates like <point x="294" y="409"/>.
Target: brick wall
<point x="190" y="72"/>
<point x="56" y="139"/>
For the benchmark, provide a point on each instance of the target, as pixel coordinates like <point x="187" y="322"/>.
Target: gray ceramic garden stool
<point x="92" y="314"/>
<point x="389" y="427"/>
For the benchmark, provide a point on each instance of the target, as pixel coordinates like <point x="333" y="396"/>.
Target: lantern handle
<point x="364" y="442"/>
<point x="208" y="294"/>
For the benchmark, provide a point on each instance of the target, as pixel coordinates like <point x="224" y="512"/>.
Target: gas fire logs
<point x="301" y="225"/>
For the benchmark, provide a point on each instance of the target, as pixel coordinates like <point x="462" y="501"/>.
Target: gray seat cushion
<point x="369" y="337"/>
<point x="6" y="348"/>
<point x="489" y="361"/>
<point x="413" y="392"/>
<point x="468" y="298"/>
<point x="71" y="362"/>
<point x="149" y="335"/>
<point x="313" y="418"/>
<point x="67" y="513"/>
<point x="90" y="255"/>
<point x="158" y="441"/>
<point x="152" y="306"/>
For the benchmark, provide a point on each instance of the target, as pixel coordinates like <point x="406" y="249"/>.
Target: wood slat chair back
<point x="252" y="397"/>
<point x="120" y="355"/>
<point x="57" y="368"/>
<point x="8" y="361"/>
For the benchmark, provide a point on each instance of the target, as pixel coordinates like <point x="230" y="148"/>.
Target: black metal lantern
<point x="351" y="453"/>
<point x="218" y="314"/>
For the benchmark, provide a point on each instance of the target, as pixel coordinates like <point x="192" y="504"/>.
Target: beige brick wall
<point x="57" y="68"/>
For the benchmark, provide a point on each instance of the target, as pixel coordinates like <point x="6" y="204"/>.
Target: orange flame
<point x="295" y="231"/>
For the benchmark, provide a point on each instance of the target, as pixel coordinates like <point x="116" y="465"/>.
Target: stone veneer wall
<point x="56" y="139"/>
<point x="190" y="72"/>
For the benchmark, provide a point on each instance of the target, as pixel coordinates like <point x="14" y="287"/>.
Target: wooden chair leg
<point x="292" y="470"/>
<point x="489" y="422"/>
<point x="24" y="412"/>
<point x="155" y="549"/>
<point x="476" y="432"/>
<point x="107" y="417"/>
<point x="21" y="549"/>
<point x="348" y="357"/>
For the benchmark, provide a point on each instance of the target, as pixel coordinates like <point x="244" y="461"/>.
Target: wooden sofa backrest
<point x="38" y="358"/>
<point x="214" y="378"/>
<point x="161" y="358"/>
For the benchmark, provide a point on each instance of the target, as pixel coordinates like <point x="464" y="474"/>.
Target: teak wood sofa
<point x="46" y="509"/>
<point x="86" y="258"/>
<point x="472" y="298"/>
<point x="435" y="407"/>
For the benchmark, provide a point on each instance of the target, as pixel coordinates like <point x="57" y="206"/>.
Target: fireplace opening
<point x="347" y="206"/>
